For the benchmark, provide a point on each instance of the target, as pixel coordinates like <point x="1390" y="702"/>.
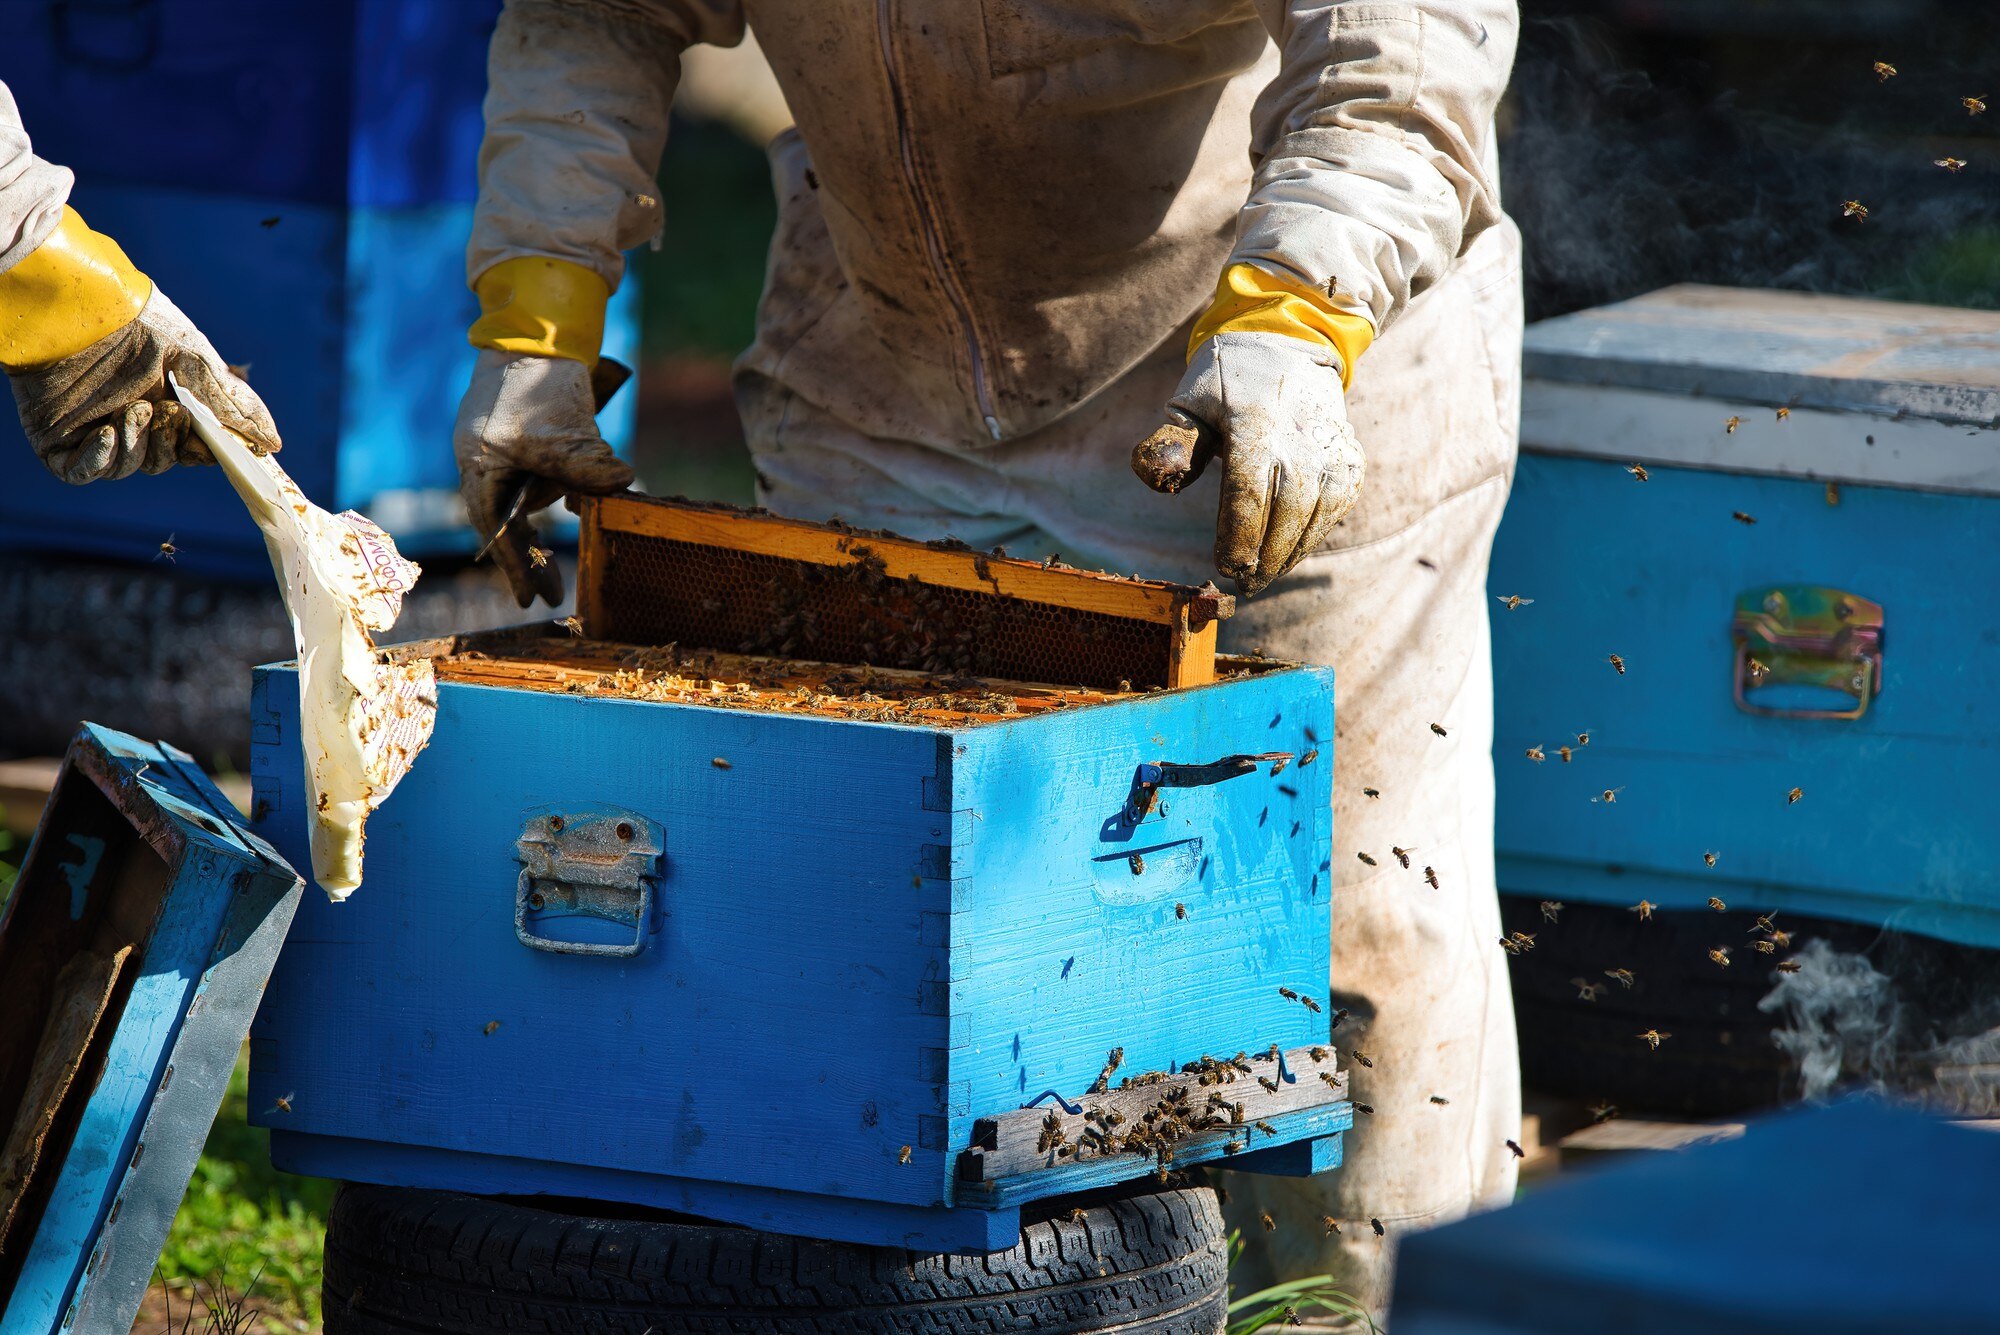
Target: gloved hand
<point x="1272" y="406"/>
<point x="529" y="421"/>
<point x="88" y="343"/>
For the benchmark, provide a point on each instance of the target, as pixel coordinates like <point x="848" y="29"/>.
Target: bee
<point x="1854" y="209"/>
<point x="1338" y="1016"/>
<point x="1742" y="518"/>
<point x="1402" y="855"/>
<point x="1973" y="105"/>
<point x="167" y="549"/>
<point x="1788" y="966"/>
<point x="1565" y="752"/>
<point x="1644" y="908"/>
<point x="1309" y="1004"/>
<point x="491" y="1025"/>
<point x="270" y="222"/>
<point x="1884" y="72"/>
<point x="1623" y="977"/>
<point x="1270" y="1085"/>
<point x="1653" y="1038"/>
<point x="1365" y="858"/>
<point x="1550" y="908"/>
<point x="1536" y="754"/>
<point x="1331" y="1081"/>
<point x="1517" y="943"/>
<point x="1783" y="413"/>
<point x="574" y="625"/>
<point x="1638" y="471"/>
<point x="1582" y="739"/>
<point x="1266" y="1128"/>
<point x="1519" y="1153"/>
<point x="284" y="1103"/>
<point x="1515" y="601"/>
<point x="1602" y="1112"/>
<point x="720" y="763"/>
<point x="1365" y="1109"/>
<point x="1585" y="989"/>
<point x="1608" y="795"/>
<point x="1708" y="859"/>
<point x="538" y="556"/>
<point x="1076" y="1216"/>
<point x="1720" y="954"/>
<point x="1288" y="994"/>
<point x="1616" y="662"/>
<point x="1764" y="947"/>
<point x="1330" y="1224"/>
<point x="1270" y="1224"/>
<point x="1430" y="874"/>
<point x="1317" y="1054"/>
<point x="1438" y="728"/>
<point x="1952" y="165"/>
<point x="1138" y="864"/>
<point x="1716" y="904"/>
<point x="1440" y="1100"/>
<point x="1833" y="493"/>
<point x="1766" y="922"/>
<point x="1781" y="939"/>
<point x="1794" y="795"/>
<point x="1330" y="285"/>
<point x="1309" y="757"/>
<point x="1180" y="911"/>
<point x="1361" y="1057"/>
<point x="903" y="1156"/>
<point x="1054" y="559"/>
<point x="1376" y="1224"/>
<point x="1292" y="1317"/>
<point x="1371" y="792"/>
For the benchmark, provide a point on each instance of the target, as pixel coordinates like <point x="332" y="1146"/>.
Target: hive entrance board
<point x="656" y="572"/>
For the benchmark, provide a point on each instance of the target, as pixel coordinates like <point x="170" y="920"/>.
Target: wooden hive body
<point x="876" y="929"/>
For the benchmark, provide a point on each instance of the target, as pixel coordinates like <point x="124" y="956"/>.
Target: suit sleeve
<point x="32" y="192"/>
<point x="577" y="100"/>
<point x="1375" y="161"/>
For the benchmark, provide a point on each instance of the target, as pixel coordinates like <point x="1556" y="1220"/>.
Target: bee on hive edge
<point x="1440" y="1100"/>
<point x="1551" y="909"/>
<point x="1266" y="1128"/>
<point x="1638" y="471"/>
<point x="1438" y="728"/>
<point x="1430" y="874"/>
<point x="1078" y="1215"/>
<point x="1653" y="1038"/>
<point x="1644" y="908"/>
<point x="1624" y="977"/>
<point x="167" y="549"/>
<point x="1316" y="1053"/>
<point x="1884" y="71"/>
<point x="1833" y="493"/>
<point x="1376" y="1224"/>
<point x="1585" y="989"/>
<point x="1270" y="1085"/>
<point x="1536" y="754"/>
<point x="1794" y="795"/>
<point x="1332" y="1081"/>
<point x="1787" y="966"/>
<point x="1609" y="794"/>
<point x="1716" y="903"/>
<point x="1617" y="662"/>
<point x="1514" y="601"/>
<point x="903" y="1155"/>
<point x="1720" y="954"/>
<point x="1519" y="1153"/>
<point x="574" y="625"/>
<point x="1402" y="855"/>
<point x="1602" y="1112"/>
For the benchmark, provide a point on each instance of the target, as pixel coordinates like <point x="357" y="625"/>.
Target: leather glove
<point x="108" y="412"/>
<point x="1272" y="407"/>
<point x="527" y="431"/>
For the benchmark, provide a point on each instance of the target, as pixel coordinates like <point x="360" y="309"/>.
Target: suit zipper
<point x="933" y="243"/>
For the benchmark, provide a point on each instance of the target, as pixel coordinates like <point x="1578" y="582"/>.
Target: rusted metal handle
<point x="1807" y="635"/>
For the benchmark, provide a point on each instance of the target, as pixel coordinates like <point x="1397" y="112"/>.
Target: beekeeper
<point x="87" y="341"/>
<point x="1015" y="238"/>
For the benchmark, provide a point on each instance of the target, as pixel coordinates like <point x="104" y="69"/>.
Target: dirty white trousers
<point x="1397" y="604"/>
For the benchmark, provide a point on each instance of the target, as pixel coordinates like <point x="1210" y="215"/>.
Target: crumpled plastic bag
<point x="362" y="721"/>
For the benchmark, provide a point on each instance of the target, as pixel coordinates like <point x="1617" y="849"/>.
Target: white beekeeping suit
<point x="1011" y="233"/>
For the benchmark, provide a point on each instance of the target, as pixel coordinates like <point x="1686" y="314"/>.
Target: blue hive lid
<point x="1872" y="391"/>
<point x="1855" y="1217"/>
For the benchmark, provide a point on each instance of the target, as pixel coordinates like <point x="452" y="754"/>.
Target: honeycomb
<point x="664" y="591"/>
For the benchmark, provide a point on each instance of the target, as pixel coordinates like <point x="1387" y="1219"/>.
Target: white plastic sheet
<point x="362" y="721"/>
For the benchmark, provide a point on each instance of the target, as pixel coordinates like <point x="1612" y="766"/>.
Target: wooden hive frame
<point x="643" y="560"/>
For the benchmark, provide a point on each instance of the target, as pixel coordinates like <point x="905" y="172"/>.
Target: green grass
<point x="243" y="1221"/>
<point x="1276" y="1306"/>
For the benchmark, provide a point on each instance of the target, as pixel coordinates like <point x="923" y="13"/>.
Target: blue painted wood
<point x="1892" y="826"/>
<point x="1755" y="1236"/>
<point x="869" y="936"/>
<point x="200" y="972"/>
<point x="1299" y="1158"/>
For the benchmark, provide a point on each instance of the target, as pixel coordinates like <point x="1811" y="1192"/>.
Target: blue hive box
<point x="841" y="952"/>
<point x="1800" y="594"/>
<point x="308" y="207"/>
<point x="1858" y="1217"/>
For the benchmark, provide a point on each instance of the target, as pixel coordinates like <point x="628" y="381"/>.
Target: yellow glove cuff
<point x="1250" y="300"/>
<point x="547" y="307"/>
<point x="65" y="294"/>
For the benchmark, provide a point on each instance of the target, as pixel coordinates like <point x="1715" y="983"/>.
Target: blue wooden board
<point x="198" y="974"/>
<point x="1892" y="826"/>
<point x="1856" y="1218"/>
<point x="865" y="937"/>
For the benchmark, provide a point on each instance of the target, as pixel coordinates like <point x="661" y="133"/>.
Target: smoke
<point x="1632" y="161"/>
<point x="1842" y="1019"/>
